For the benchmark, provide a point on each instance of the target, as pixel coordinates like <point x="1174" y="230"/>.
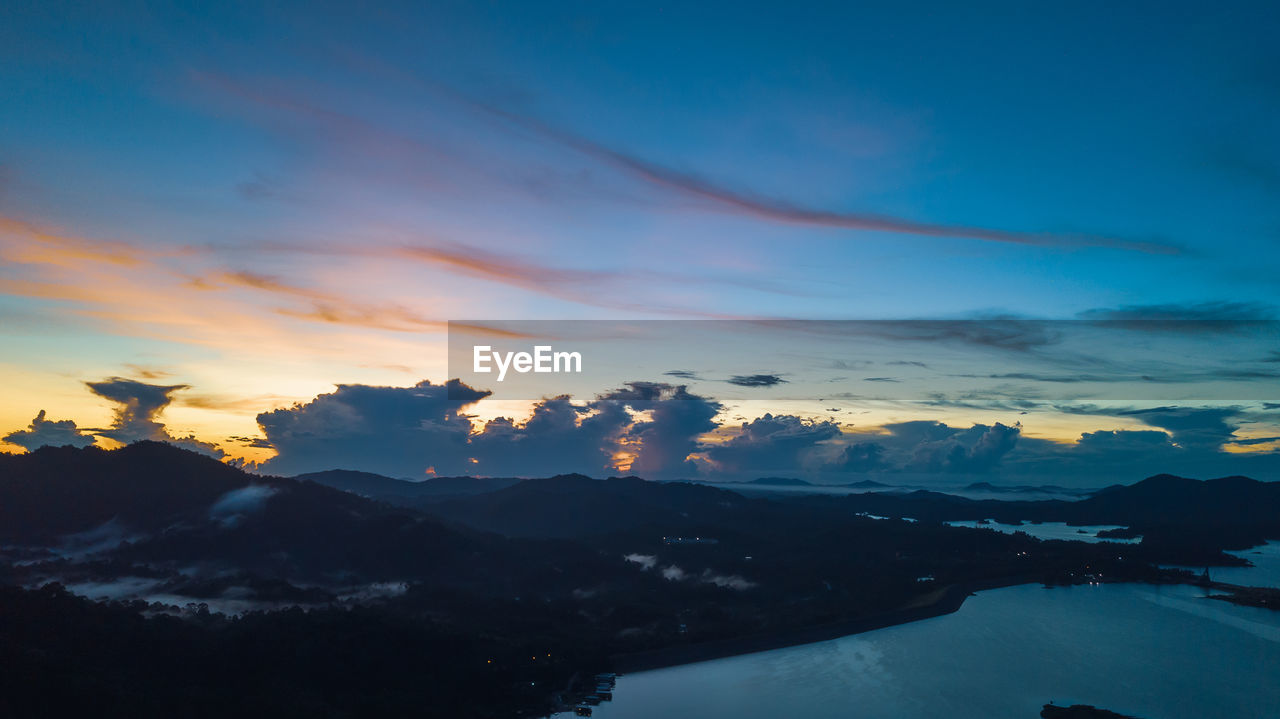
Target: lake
<point x="1050" y="530"/>
<point x="1157" y="652"/>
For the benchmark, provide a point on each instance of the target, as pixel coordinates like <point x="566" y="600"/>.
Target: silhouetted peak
<point x="571" y="477"/>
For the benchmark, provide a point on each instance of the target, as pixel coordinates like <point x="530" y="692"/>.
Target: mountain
<point x="1022" y="488"/>
<point x="1166" y="498"/>
<point x="146" y="486"/>
<point x="574" y="505"/>
<point x="157" y="505"/>
<point x="865" y="484"/>
<point x="1190" y="518"/>
<point x="403" y="492"/>
<point x="522" y="586"/>
<point x="781" y="482"/>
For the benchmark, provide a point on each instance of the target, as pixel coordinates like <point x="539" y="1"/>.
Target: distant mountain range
<point x="796" y="482"/>
<point x="478" y="583"/>
<point x="404" y="492"/>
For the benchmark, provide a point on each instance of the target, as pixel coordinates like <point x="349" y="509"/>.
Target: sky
<point x="245" y="228"/>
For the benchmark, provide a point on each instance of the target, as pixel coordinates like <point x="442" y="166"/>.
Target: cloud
<point x="329" y="308"/>
<point x="1189" y="441"/>
<point x="1192" y="318"/>
<point x="42" y="432"/>
<point x="755" y="380"/>
<point x="28" y="244"/>
<point x="406" y="431"/>
<point x="690" y="374"/>
<point x="662" y="431"/>
<point x="559" y="437"/>
<point x="1192" y="427"/>
<point x="678" y="419"/>
<point x="646" y="561"/>
<point x="861" y="457"/>
<point x="673" y="573"/>
<point x="136" y="416"/>
<point x="140" y="403"/>
<point x="729" y="581"/>
<point x="574" y="285"/>
<point x="922" y="447"/>
<point x="1011" y="334"/>
<point x="774" y="209"/>
<point x="393" y="147"/>
<point x="770" y="443"/>
<point x="976" y="450"/>
<point x="396" y="431"/>
<point x="233" y="506"/>
<point x="171" y="294"/>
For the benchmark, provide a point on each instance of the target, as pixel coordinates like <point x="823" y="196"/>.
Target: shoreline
<point x="948" y="600"/>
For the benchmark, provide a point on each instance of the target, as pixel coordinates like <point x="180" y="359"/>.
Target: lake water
<point x="1153" y="652"/>
<point x="1051" y="530"/>
<point x="1265" y="571"/>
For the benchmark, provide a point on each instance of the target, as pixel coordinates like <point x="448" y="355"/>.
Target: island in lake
<point x="1079" y="711"/>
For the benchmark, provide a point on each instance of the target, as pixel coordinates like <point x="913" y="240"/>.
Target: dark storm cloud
<point x="42" y="432"/>
<point x="755" y="380"/>
<point x="140" y="404"/>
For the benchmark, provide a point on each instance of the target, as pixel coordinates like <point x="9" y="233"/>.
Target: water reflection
<point x="1155" y="652"/>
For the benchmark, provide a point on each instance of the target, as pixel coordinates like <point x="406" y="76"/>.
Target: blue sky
<point x="259" y="203"/>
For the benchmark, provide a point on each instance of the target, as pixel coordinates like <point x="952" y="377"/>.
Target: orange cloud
<point x="22" y="242"/>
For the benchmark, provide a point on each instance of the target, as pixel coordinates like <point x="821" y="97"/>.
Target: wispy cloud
<point x="777" y="209"/>
<point x="715" y="195"/>
<point x="755" y="380"/>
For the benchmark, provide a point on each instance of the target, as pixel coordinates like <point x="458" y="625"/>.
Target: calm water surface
<point x="1154" y="652"/>
<point x="1050" y="530"/>
<point x="1265" y="571"/>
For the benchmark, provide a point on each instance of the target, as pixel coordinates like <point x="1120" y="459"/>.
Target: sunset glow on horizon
<point x="200" y="228"/>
